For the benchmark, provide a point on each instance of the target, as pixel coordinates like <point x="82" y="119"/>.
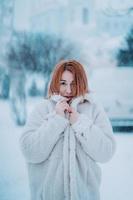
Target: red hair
<point x="81" y="86"/>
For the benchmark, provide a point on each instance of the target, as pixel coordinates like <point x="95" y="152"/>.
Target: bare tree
<point x="30" y="52"/>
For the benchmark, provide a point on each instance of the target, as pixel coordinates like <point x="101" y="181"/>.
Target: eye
<point x="73" y="84"/>
<point x="62" y="83"/>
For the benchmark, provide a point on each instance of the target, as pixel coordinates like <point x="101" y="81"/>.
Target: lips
<point x="68" y="97"/>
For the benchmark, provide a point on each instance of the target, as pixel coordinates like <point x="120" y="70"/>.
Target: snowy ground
<point x="117" y="179"/>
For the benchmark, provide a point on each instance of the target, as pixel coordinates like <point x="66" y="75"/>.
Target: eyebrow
<point x="62" y="80"/>
<point x="65" y="80"/>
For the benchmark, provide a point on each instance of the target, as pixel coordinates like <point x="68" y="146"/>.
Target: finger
<point x="72" y="109"/>
<point x="65" y="99"/>
<point x="65" y="104"/>
<point x="66" y="107"/>
<point x="69" y="110"/>
<point x="61" y="102"/>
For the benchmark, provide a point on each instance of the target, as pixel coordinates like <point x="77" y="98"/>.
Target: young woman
<point x="65" y="138"/>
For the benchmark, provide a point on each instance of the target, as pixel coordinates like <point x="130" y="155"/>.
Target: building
<point x="97" y="26"/>
<point x="62" y="17"/>
<point x="113" y="22"/>
<point x="86" y="18"/>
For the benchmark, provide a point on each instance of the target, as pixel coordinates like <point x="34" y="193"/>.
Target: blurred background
<point x="37" y="34"/>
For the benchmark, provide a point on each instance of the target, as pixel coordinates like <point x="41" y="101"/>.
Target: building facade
<point x="82" y="17"/>
<point x="62" y="17"/>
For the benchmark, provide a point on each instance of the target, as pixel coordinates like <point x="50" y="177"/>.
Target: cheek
<point x="62" y="89"/>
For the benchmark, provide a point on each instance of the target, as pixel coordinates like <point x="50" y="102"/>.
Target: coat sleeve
<point x="95" y="136"/>
<point x="41" y="133"/>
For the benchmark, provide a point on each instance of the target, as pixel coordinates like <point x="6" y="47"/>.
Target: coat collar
<point x="77" y="100"/>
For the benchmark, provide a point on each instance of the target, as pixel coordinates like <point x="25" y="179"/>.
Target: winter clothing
<point x="62" y="158"/>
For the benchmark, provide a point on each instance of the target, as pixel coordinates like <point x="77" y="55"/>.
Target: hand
<point x="62" y="106"/>
<point x="73" y="116"/>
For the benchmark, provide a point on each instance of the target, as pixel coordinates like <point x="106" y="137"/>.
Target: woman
<point x="65" y="137"/>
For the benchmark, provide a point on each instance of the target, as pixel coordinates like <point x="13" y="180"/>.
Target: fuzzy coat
<point x="62" y="159"/>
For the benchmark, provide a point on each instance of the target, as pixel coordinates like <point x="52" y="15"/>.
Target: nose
<point x="68" y="89"/>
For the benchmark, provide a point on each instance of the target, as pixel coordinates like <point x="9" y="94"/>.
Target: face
<point x="67" y="84"/>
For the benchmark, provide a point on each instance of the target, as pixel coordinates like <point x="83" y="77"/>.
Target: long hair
<point x="81" y="82"/>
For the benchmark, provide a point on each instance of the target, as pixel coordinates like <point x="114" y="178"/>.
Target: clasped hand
<point x="62" y="107"/>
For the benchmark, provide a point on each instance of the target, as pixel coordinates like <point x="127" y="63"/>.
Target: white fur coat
<point x="62" y="158"/>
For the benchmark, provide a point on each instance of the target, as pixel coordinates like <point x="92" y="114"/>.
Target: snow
<point x="117" y="174"/>
<point x="117" y="179"/>
<point x="114" y="90"/>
